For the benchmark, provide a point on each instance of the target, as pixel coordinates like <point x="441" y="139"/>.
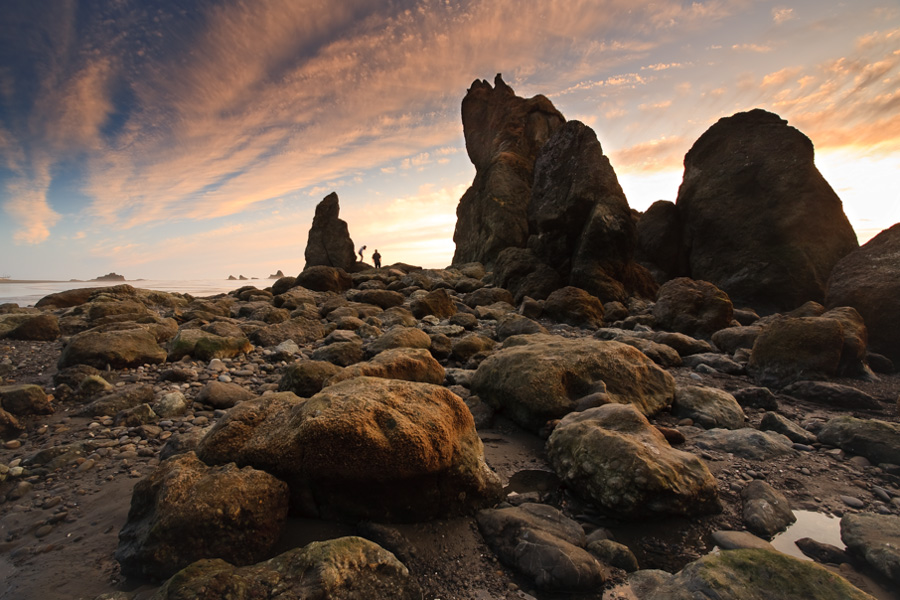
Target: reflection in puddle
<point x="821" y="527"/>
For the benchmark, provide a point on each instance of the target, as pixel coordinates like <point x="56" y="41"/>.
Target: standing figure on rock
<point x="360" y="252"/>
<point x="376" y="258"/>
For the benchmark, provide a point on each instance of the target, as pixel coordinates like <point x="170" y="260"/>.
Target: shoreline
<point x="39" y="281"/>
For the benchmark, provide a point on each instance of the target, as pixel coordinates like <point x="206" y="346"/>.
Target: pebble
<point x="881" y="493"/>
<point x="43" y="530"/>
<point x="805" y="471"/>
<point x="860" y="461"/>
<point x="224" y="378"/>
<point x="86" y="465"/>
<point x="803" y="448"/>
<point x="853" y="502"/>
<point x="12" y="444"/>
<point x="16" y="471"/>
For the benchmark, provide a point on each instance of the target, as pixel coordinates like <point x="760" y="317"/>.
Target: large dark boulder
<point x="869" y="281"/>
<point x="329" y="242"/>
<point x="503" y="134"/>
<point x="760" y="221"/>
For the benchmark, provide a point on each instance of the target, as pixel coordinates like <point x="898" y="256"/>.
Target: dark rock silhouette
<point x="545" y="209"/>
<point x="110" y="277"/>
<point x="760" y="221"/>
<point x="503" y="135"/>
<point x="278" y="275"/>
<point x="869" y="281"/>
<point x="329" y="242"/>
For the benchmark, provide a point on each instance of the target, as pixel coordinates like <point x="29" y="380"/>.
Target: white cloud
<point x="782" y="15"/>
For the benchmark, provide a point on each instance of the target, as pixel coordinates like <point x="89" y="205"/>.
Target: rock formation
<point x="869" y="281"/>
<point x="757" y="218"/>
<point x="503" y="135"/>
<point x="329" y="242"/>
<point x="545" y="209"/>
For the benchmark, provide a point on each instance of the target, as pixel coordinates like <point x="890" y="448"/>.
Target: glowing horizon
<point x="161" y="143"/>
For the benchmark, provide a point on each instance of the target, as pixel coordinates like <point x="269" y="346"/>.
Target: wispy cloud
<point x="782" y="15"/>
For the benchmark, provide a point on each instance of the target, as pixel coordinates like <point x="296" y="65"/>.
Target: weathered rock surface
<point x="185" y="511"/>
<point x="760" y="221"/>
<point x="791" y="349"/>
<point x="535" y="378"/>
<point x="755" y="574"/>
<point x="877" y="440"/>
<point x="574" y="306"/>
<point x="347" y="568"/>
<point x="710" y="407"/>
<point x="745" y="442"/>
<point x="612" y="455"/>
<point x="695" y="308"/>
<point x="363" y="448"/>
<point x="118" y="349"/>
<point x="329" y="242"/>
<point x="868" y="279"/>
<point x="203" y="345"/>
<point x="408" y="364"/>
<point x="547" y="547"/>
<point x="307" y="377"/>
<point x="322" y="278"/>
<point x="877" y="539"/>
<point x="223" y="395"/>
<point x="766" y="511"/>
<point x="831" y="394"/>
<point x="25" y="399"/>
<point x="579" y="219"/>
<point x="503" y="135"/>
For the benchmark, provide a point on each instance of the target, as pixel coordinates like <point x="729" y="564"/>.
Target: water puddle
<point x="532" y="480"/>
<point x="818" y="526"/>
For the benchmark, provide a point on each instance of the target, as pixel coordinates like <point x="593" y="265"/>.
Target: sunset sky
<point x="193" y="139"/>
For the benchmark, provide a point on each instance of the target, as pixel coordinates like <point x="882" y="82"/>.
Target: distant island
<point x="233" y="278"/>
<point x="277" y="275"/>
<point x="110" y="277"/>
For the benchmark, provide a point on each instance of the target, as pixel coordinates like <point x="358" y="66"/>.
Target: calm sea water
<point x="29" y="292"/>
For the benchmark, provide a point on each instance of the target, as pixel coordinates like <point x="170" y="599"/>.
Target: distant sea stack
<point x="329" y="242"/>
<point x="277" y="275"/>
<point x="110" y="277"/>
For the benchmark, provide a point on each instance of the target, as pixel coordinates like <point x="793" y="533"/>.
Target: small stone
<point x="43" y="531"/>
<point x="881" y="493"/>
<point x="853" y="502"/>
<point x="86" y="465"/>
<point x="12" y="444"/>
<point x="860" y="461"/>
<point x="224" y="378"/>
<point x="806" y="471"/>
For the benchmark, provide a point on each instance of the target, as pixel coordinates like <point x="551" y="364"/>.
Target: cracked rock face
<point x="329" y="242"/>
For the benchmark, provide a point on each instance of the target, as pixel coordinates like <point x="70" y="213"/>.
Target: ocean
<point x="27" y="293"/>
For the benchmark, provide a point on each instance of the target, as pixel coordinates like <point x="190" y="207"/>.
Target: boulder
<point x="877" y="440"/>
<point x="342" y="354"/>
<point x="115" y="349"/>
<point x="877" y="539"/>
<point x="513" y="324"/>
<point x="382" y="298"/>
<point x="184" y="511"/>
<point x="828" y="393"/>
<point x="745" y="443"/>
<point x="121" y="399"/>
<point x="408" y="364"/>
<point x="715" y="361"/>
<point x="470" y="345"/>
<point x="574" y="306"/>
<point x="488" y="295"/>
<point x="42" y="327"/>
<point x="760" y="221"/>
<point x="329" y="243"/>
<point x="399" y="337"/>
<point x="347" y="568"/>
<point x="791" y="349"/>
<point x="223" y="395"/>
<point x="503" y="134"/>
<point x="547" y="547"/>
<point x="868" y="279"/>
<point x="323" y="278"/>
<point x="579" y="219"/>
<point x="9" y="425"/>
<point x="614" y="554"/>
<point x="437" y="303"/>
<point x="754" y="574"/>
<point x="731" y="339"/>
<point x="364" y="448"/>
<point x="202" y="345"/>
<point x="537" y="378"/>
<point x="300" y="330"/>
<point x="307" y="377"/>
<point x="695" y="308"/>
<point x="25" y="399"/>
<point x="709" y="407"/>
<point x="766" y="511"/>
<point x="613" y="456"/>
<point x="172" y="404"/>
<point x="685" y="345"/>
<point x="772" y="421"/>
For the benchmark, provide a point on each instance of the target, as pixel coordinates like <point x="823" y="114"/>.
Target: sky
<point x="166" y="139"/>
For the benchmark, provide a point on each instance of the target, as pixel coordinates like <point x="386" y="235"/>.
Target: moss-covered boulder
<point x="348" y="568"/>
<point x="203" y="345"/>
<point x="116" y="349"/>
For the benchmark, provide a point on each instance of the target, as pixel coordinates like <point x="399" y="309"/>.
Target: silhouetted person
<point x="376" y="258"/>
<point x="360" y="252"/>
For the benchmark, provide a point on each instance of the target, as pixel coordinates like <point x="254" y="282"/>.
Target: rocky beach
<point x="589" y="403"/>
